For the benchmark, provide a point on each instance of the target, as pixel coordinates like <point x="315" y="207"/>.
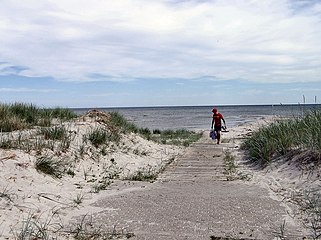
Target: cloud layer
<point x="80" y="40"/>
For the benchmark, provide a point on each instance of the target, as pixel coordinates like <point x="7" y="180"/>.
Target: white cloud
<point x="27" y="90"/>
<point x="71" y="40"/>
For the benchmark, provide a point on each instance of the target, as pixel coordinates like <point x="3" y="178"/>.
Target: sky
<point x="129" y="53"/>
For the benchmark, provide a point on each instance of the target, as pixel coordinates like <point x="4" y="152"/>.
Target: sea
<point x="198" y="118"/>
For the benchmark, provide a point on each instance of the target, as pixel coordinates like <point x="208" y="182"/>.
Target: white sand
<point x="26" y="194"/>
<point x="29" y="195"/>
<point x="290" y="180"/>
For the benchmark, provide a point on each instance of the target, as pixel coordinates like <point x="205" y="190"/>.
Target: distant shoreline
<point x="199" y="117"/>
<point x="201" y="106"/>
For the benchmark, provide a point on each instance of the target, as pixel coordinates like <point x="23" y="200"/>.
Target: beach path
<point x="192" y="199"/>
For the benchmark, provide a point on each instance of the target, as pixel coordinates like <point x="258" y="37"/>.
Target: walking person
<point x="217" y="124"/>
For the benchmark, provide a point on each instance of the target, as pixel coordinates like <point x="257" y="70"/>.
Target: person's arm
<point x="224" y="122"/>
<point x="212" y="123"/>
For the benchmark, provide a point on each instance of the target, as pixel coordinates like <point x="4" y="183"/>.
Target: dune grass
<point x="176" y="137"/>
<point x="283" y="136"/>
<point x="54" y="133"/>
<point x="53" y="167"/>
<point x="100" y="136"/>
<point x="18" y="116"/>
<point x="119" y="121"/>
<point x="148" y="174"/>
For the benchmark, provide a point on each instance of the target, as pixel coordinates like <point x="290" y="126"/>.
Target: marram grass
<point x="280" y="137"/>
<point x="19" y="116"/>
<point x="175" y="137"/>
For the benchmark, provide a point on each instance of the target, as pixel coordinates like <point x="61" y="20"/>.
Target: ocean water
<point x="200" y="117"/>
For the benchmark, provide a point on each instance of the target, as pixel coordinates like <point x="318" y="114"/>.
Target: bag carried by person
<point x="224" y="129"/>
<point x="213" y="134"/>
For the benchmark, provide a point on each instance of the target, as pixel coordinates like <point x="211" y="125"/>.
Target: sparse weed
<point x="51" y="166"/>
<point x="143" y="174"/>
<point x="101" y="185"/>
<point x="82" y="150"/>
<point x="86" y="229"/>
<point x="111" y="171"/>
<point x="136" y="151"/>
<point x="34" y="228"/>
<point x="79" y="199"/>
<point x="166" y="163"/>
<point x="71" y="172"/>
<point x="85" y="172"/>
<point x="311" y="205"/>
<point x="280" y="235"/>
<point x="104" y="180"/>
<point x="5" y="193"/>
<point x="230" y="165"/>
<point x="104" y="151"/>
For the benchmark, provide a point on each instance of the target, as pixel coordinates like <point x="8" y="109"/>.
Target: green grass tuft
<point x="122" y="123"/>
<point x="280" y="137"/>
<point x="50" y="166"/>
<point x="54" y="133"/>
<point x="100" y="136"/>
<point x="176" y="137"/>
<point x="18" y="116"/>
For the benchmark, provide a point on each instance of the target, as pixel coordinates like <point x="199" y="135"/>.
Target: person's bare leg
<point x="218" y="133"/>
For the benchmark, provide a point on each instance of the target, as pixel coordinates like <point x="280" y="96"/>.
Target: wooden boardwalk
<point x="192" y="200"/>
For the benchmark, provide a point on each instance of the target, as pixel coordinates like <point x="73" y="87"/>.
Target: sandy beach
<point x="31" y="200"/>
<point x="29" y="196"/>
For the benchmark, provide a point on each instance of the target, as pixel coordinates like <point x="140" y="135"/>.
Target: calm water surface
<point x="200" y="117"/>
